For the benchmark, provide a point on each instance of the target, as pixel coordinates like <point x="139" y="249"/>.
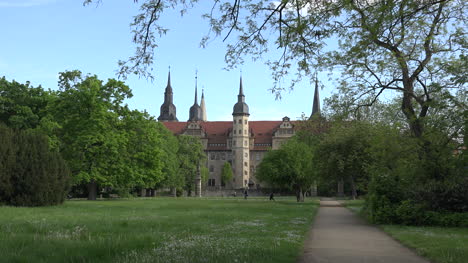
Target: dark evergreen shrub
<point x="30" y="174"/>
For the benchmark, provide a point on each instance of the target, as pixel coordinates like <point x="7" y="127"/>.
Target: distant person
<point x="272" y="197"/>
<point x="234" y="194"/>
<point x="246" y="194"/>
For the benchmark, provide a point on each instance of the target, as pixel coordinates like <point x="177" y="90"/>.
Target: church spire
<point x="316" y="103"/>
<point x="241" y="108"/>
<point x="195" y="110"/>
<point x="168" y="110"/>
<point x="202" y="106"/>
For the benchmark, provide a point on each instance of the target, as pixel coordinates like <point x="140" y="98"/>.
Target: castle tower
<point x="240" y="141"/>
<point x="195" y="110"/>
<point x="202" y="106"/>
<point x="316" y="103"/>
<point x="168" y="109"/>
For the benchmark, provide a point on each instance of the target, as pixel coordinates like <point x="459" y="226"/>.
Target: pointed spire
<point x="241" y="90"/>
<point x="241" y="107"/>
<point x="316" y="103"/>
<point x="202" y="106"/>
<point x="169" y="78"/>
<point x="196" y="80"/>
<point x="195" y="111"/>
<point x="168" y="109"/>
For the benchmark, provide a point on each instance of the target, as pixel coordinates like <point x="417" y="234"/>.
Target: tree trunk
<point x="299" y="194"/>
<point x="340" y="192"/>
<point x="92" y="190"/>
<point x="353" y="188"/>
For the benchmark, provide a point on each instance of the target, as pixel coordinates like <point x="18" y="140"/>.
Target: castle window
<point x="240" y="121"/>
<point x="245" y="132"/>
<point x="245" y="143"/>
<point x="223" y="156"/>
<point x="217" y="156"/>
<point x="230" y="143"/>
<point x="234" y="142"/>
<point x="234" y="131"/>
<point x="212" y="156"/>
<point x="211" y="182"/>
<point x="246" y="155"/>
<point x="211" y="168"/>
<point x="290" y="131"/>
<point x="257" y="156"/>
<point x="245" y="121"/>
<point x="246" y="164"/>
<point x="240" y="131"/>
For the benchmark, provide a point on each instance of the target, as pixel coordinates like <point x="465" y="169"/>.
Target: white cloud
<point x="25" y="3"/>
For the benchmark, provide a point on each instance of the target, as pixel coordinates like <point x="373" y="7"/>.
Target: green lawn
<point x="439" y="244"/>
<point x="157" y="230"/>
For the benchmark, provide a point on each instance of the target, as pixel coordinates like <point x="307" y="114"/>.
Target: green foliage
<point x="343" y="154"/>
<point x="21" y="105"/>
<point x="415" y="181"/>
<point x="226" y="174"/>
<point x="30" y="174"/>
<point x="25" y="107"/>
<point x="105" y="143"/>
<point x="191" y="157"/>
<point x="289" y="167"/>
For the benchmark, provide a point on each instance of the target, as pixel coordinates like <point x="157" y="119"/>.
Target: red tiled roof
<point x="218" y="132"/>
<point x="175" y="127"/>
<point x="263" y="130"/>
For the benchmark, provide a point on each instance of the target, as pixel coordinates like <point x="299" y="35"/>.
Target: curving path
<point x="340" y="236"/>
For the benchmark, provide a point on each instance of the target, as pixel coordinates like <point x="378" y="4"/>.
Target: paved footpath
<point x="340" y="236"/>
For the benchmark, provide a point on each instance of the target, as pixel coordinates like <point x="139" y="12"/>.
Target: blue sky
<point x="40" y="38"/>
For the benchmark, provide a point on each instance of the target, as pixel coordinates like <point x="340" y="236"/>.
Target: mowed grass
<point x="439" y="244"/>
<point x="157" y="230"/>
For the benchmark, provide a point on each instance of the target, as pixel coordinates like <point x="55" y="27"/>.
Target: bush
<point x="30" y="174"/>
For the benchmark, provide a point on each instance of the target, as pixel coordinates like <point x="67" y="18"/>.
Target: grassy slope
<point x="156" y="230"/>
<point x="439" y="244"/>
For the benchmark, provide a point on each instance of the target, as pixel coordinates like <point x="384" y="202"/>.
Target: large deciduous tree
<point x="343" y="153"/>
<point x="289" y="167"/>
<point x="89" y="112"/>
<point x="415" y="48"/>
<point x="191" y="156"/>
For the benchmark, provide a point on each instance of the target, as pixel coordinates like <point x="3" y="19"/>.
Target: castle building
<point x="240" y="142"/>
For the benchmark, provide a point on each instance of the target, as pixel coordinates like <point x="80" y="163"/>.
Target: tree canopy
<point x="289" y="167"/>
<point x="410" y="47"/>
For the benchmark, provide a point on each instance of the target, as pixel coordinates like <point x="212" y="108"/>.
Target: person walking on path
<point x="339" y="235"/>
<point x="272" y="197"/>
<point x="246" y="194"/>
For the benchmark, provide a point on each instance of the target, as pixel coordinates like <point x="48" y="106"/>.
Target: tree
<point x="191" y="156"/>
<point x="142" y="163"/>
<point x="170" y="146"/>
<point x="23" y="106"/>
<point x="403" y="46"/>
<point x="89" y="113"/>
<point x="226" y="174"/>
<point x="289" y="167"/>
<point x="343" y="153"/>
<point x="30" y="174"/>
